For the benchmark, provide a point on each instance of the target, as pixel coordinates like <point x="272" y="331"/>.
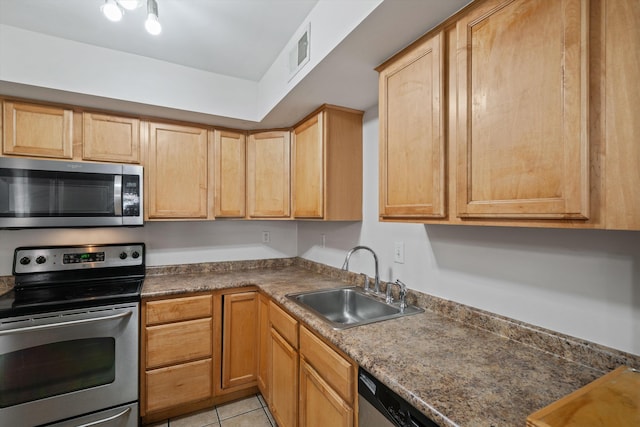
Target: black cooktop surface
<point x="39" y="299"/>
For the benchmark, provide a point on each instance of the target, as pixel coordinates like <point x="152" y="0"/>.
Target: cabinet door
<point x="177" y="172"/>
<point x="37" y="130"/>
<point x="308" y="169"/>
<point x="110" y="138"/>
<point x="522" y="110"/>
<point x="320" y="405"/>
<point x="240" y="339"/>
<point x="412" y="150"/>
<point x="622" y="113"/>
<point x="284" y="381"/>
<point x="264" y="355"/>
<point x="230" y="166"/>
<point x="268" y="177"/>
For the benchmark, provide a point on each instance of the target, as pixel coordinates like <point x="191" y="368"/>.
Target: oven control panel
<point x="59" y="258"/>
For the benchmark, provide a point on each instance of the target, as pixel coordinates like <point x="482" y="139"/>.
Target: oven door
<point x="66" y="364"/>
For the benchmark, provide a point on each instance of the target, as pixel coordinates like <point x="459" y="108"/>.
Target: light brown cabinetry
<point x="239" y="340"/>
<point x="327" y="384"/>
<point x="37" y="130"/>
<point x="176" y="354"/>
<point x="264" y="341"/>
<point x="230" y="173"/>
<point x="108" y="138"/>
<point x="412" y="133"/>
<point x="283" y="379"/>
<point x="268" y="175"/>
<point x="177" y="173"/>
<point x="327" y="165"/>
<point x="621" y="110"/>
<point x="539" y="118"/>
<point x="523" y="146"/>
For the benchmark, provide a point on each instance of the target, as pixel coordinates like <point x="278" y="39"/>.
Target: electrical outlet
<point x="266" y="237"/>
<point x="398" y="252"/>
<point x="324" y="241"/>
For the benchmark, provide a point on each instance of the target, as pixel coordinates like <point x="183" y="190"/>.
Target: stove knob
<point x="25" y="260"/>
<point x="123" y="255"/>
<point x="135" y="254"/>
<point x="41" y="259"/>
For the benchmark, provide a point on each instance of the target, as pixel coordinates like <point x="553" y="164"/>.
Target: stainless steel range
<point x="69" y="336"/>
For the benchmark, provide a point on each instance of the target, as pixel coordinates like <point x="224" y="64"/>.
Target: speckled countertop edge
<point x="459" y="365"/>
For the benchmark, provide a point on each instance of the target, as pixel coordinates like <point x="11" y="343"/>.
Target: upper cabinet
<point x="412" y="144"/>
<point x="327" y="165"/>
<point x="37" y="130"/>
<point x="621" y="111"/>
<point x="268" y="175"/>
<point x="178" y="172"/>
<point x="108" y="138"/>
<point x="230" y="150"/>
<point x="539" y="113"/>
<point x="523" y="143"/>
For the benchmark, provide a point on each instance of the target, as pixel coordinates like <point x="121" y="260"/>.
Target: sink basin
<point x="348" y="307"/>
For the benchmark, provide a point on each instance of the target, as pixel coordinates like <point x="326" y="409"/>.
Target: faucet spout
<point x="345" y="265"/>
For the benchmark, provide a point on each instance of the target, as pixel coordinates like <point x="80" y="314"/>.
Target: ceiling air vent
<point x="299" y="52"/>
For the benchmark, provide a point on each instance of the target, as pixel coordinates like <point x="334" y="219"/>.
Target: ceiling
<point x="239" y="38"/>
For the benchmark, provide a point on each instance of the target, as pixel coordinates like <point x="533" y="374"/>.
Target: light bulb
<point x="111" y="10"/>
<point x="153" y="25"/>
<point x="130" y="4"/>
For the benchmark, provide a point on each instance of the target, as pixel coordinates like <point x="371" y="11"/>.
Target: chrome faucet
<point x="403" y="293"/>
<point x="345" y="266"/>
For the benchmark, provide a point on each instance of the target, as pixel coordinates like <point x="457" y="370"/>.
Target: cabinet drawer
<point x="176" y="385"/>
<point x="178" y="342"/>
<point x="337" y="371"/>
<point x="286" y="325"/>
<point x="176" y="309"/>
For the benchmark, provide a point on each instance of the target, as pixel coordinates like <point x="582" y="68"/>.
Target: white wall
<point x="169" y="242"/>
<point x="584" y="283"/>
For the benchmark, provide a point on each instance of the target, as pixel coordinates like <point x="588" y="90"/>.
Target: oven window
<point x="52" y="369"/>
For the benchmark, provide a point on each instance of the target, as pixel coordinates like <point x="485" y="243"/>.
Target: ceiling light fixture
<point x="114" y="11"/>
<point x="152" y="24"/>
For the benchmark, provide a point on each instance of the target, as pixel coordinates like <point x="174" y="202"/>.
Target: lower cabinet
<point x="283" y="355"/>
<point x="192" y="359"/>
<point x="310" y="383"/>
<point x="177" y="355"/>
<point x="239" y="340"/>
<point x="327" y="384"/>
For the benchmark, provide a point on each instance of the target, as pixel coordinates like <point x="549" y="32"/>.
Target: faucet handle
<point x="403" y="294"/>
<point x="365" y="282"/>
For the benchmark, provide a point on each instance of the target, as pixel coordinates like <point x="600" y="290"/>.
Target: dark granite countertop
<point x="448" y="366"/>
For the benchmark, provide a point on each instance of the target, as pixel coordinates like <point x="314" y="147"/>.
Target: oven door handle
<point x="63" y="324"/>
<point x="106" y="420"/>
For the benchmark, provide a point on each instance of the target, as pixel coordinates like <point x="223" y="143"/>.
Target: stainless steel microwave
<point x="49" y="193"/>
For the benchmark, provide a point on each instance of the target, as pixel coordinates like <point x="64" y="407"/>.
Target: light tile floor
<point x="249" y="412"/>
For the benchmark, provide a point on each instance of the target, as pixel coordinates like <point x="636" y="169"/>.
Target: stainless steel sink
<point x="348" y="307"/>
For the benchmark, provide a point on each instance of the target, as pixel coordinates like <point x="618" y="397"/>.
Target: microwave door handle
<point x="117" y="195"/>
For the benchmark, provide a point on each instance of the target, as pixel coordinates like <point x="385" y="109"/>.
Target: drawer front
<point x="337" y="371"/>
<point x="286" y="325"/>
<point x="176" y="309"/>
<point x="176" y="385"/>
<point x="178" y="342"/>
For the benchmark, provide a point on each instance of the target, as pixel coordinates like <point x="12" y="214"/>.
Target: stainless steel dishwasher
<point x="381" y="407"/>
